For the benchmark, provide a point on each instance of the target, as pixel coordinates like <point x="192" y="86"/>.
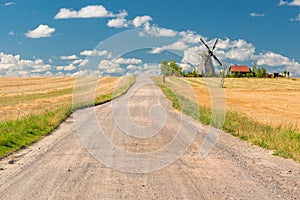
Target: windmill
<point x="206" y="64"/>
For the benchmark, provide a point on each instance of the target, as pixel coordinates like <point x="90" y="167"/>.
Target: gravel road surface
<point x="138" y="147"/>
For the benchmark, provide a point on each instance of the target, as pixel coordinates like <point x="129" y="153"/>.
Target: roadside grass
<point x="284" y="141"/>
<point x="21" y="132"/>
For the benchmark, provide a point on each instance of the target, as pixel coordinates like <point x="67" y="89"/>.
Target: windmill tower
<point x="206" y="65"/>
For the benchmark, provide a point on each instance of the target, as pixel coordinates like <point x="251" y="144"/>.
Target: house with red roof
<point x="239" y="69"/>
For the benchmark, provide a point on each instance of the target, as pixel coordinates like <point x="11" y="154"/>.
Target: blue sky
<point x="133" y="36"/>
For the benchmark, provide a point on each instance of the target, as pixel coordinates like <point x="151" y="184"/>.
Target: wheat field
<point x="20" y="97"/>
<point x="268" y="101"/>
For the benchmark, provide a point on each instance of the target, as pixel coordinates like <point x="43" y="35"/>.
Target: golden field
<point x="268" y="101"/>
<point x="20" y="97"/>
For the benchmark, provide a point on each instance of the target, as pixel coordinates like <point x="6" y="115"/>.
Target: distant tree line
<point x="173" y="69"/>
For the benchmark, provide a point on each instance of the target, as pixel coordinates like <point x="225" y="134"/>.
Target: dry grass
<point x="264" y="112"/>
<point x="34" y="107"/>
<point x="20" y="97"/>
<point x="268" y="101"/>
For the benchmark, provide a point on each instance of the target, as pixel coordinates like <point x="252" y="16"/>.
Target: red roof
<point x="245" y="69"/>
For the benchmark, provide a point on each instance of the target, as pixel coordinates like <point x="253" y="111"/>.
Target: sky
<point x="111" y="37"/>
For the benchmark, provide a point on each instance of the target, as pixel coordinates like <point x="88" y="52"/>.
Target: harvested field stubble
<point x="33" y="107"/>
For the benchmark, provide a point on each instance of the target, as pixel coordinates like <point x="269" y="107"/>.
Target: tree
<point x="254" y="70"/>
<point x="248" y="75"/>
<point x="259" y="73"/>
<point x="285" y="73"/>
<point x="264" y="72"/>
<point x="171" y="69"/>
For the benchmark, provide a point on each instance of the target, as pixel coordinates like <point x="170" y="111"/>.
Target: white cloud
<point x="293" y="3"/>
<point x="114" y="70"/>
<point x="69" y="67"/>
<point x="179" y="45"/>
<point x="272" y="59"/>
<point x="71" y="57"/>
<point x="122" y="14"/>
<point x="42" y="31"/>
<point x="276" y="60"/>
<point x="95" y="53"/>
<point x="117" y="23"/>
<point x="90" y="11"/>
<point x="240" y="50"/>
<point x="141" y="21"/>
<point x="131" y="67"/>
<point x="13" y="65"/>
<point x="11" y="33"/>
<point x="191" y="55"/>
<point x="59" y="68"/>
<point x="84" y="63"/>
<point x="76" y="62"/>
<point x="8" y="4"/>
<point x="257" y="14"/>
<point x="296" y="18"/>
<point x="127" y="61"/>
<point x="105" y="64"/>
<point x="185" y="66"/>
<point x="117" y="65"/>
<point x="158" y="32"/>
<point x="145" y="70"/>
<point x="190" y="37"/>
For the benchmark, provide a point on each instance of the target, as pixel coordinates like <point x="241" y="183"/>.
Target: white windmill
<point x="206" y="65"/>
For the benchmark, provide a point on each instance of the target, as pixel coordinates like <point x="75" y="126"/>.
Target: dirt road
<point x="138" y="147"/>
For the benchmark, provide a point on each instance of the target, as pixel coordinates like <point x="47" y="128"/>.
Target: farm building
<point x="239" y="69"/>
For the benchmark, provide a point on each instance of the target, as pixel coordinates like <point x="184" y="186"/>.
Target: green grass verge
<point x="19" y="133"/>
<point x="285" y="142"/>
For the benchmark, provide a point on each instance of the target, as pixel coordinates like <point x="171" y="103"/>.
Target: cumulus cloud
<point x="179" y="45"/>
<point x="145" y="70"/>
<point x="117" y="23"/>
<point x="141" y="21"/>
<point x="257" y="14"/>
<point x="107" y="66"/>
<point x="127" y="61"/>
<point x="292" y="3"/>
<point x="90" y="11"/>
<point x="84" y="63"/>
<point x="240" y="50"/>
<point x="71" y="57"/>
<point x="13" y="65"/>
<point x="272" y="59"/>
<point x="78" y="61"/>
<point x="121" y="22"/>
<point x="96" y="53"/>
<point x="42" y="31"/>
<point x="119" y="65"/>
<point x="158" y="32"/>
<point x="190" y="37"/>
<point x="69" y="67"/>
